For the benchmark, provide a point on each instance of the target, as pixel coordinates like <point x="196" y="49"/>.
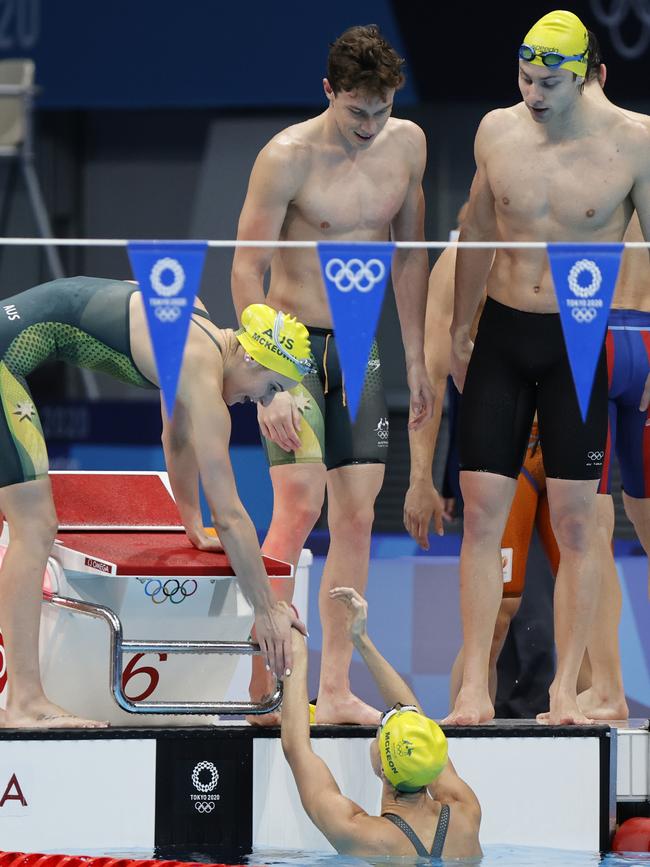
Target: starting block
<point x="133" y="611"/>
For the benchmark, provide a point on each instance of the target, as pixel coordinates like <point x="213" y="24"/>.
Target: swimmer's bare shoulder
<point x="406" y="134"/>
<point x="500" y="123"/>
<point x="284" y="161"/>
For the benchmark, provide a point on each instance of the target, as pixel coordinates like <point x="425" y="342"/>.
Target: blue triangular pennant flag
<point x="584" y="278"/>
<point x="169" y="275"/>
<point x="355" y="277"/>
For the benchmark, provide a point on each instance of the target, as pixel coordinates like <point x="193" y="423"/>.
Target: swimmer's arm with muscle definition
<point x="410" y="274"/>
<point x="473" y="266"/>
<point x="274" y="181"/>
<point x="335" y="816"/>
<point x="183" y="471"/>
<point x="211" y="425"/>
<point x="423" y="502"/>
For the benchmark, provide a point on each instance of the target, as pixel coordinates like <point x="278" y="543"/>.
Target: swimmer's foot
<point x="345" y="709"/>
<point x="471" y="708"/>
<point x="564" y="712"/>
<point x="603" y="707"/>
<point x="264" y="720"/>
<point x="260" y="689"/>
<point x="46" y="715"/>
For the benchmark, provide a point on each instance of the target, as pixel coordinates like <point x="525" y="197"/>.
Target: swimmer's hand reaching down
<point x="461" y="352"/>
<point x="273" y="632"/>
<point x="280" y="421"/>
<point x="357" y="611"/>
<point x="205" y="539"/>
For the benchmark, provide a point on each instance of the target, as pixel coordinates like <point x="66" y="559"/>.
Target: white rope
<point x="405" y="245"/>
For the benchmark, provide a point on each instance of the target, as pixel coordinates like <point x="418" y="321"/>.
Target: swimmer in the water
<point x="426" y="808"/>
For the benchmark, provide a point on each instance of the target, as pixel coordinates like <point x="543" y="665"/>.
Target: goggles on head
<point x="304" y="365"/>
<point x="551" y="59"/>
<point x="398" y="708"/>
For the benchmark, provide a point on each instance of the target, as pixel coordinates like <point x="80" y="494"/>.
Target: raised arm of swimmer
<point x="410" y="274"/>
<point x="473" y="266"/>
<point x="448" y="786"/>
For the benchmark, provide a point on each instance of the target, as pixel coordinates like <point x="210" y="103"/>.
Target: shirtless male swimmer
<point x="556" y="167"/>
<point x="352" y="173"/>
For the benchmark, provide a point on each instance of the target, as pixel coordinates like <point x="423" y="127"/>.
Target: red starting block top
<point x="152" y="554"/>
<point x="113" y="501"/>
<point x="133" y="510"/>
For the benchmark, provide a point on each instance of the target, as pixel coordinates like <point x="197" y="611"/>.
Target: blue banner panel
<point x="355" y="277"/>
<point x="584" y="278"/>
<point x="169" y="275"/>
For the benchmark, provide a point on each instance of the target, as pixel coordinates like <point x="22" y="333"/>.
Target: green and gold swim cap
<point x="562" y="32"/>
<point x="275" y="340"/>
<point x="412" y="748"/>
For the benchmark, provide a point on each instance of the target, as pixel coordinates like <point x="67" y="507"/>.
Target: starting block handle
<point x="120" y="646"/>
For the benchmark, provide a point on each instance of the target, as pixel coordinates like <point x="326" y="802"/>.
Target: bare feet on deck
<point x="603" y="707"/>
<point x="472" y="708"/>
<point x="260" y="689"/>
<point x="564" y="712"/>
<point x="345" y="709"/>
<point x="46" y="715"/>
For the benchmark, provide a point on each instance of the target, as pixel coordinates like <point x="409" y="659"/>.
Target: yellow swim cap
<point x="559" y="32"/>
<point x="275" y="340"/>
<point x="412" y="748"/>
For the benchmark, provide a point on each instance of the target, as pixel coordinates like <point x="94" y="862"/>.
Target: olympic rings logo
<point x="579" y="268"/>
<point x="166" y="290"/>
<point x="167" y="314"/>
<point x="614" y="18"/>
<point x="196" y="777"/>
<point x="204" y="806"/>
<point x="583" y="315"/>
<point x="355" y="274"/>
<point x="173" y="589"/>
<point x="595" y="456"/>
<point x="382" y="429"/>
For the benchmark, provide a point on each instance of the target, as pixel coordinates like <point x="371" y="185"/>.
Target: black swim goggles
<point x="551" y="59"/>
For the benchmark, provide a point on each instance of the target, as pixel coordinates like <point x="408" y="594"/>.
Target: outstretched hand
<point x="273" y="631"/>
<point x="357" y="610"/>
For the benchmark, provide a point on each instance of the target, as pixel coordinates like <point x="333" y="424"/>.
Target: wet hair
<point x="594" y="57"/>
<point x="361" y="59"/>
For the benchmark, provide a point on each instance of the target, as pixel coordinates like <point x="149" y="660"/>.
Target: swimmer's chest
<point x="345" y="198"/>
<point x="575" y="187"/>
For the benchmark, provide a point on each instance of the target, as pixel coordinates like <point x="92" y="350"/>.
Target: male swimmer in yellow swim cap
<point x="426" y="809"/>
<point x="556" y="167"/>
<point x="559" y="44"/>
<point x="102" y="324"/>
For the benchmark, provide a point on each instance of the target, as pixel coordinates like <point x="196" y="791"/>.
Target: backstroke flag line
<point x="355" y="276"/>
<point x="584" y="278"/>
<point x="169" y="275"/>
